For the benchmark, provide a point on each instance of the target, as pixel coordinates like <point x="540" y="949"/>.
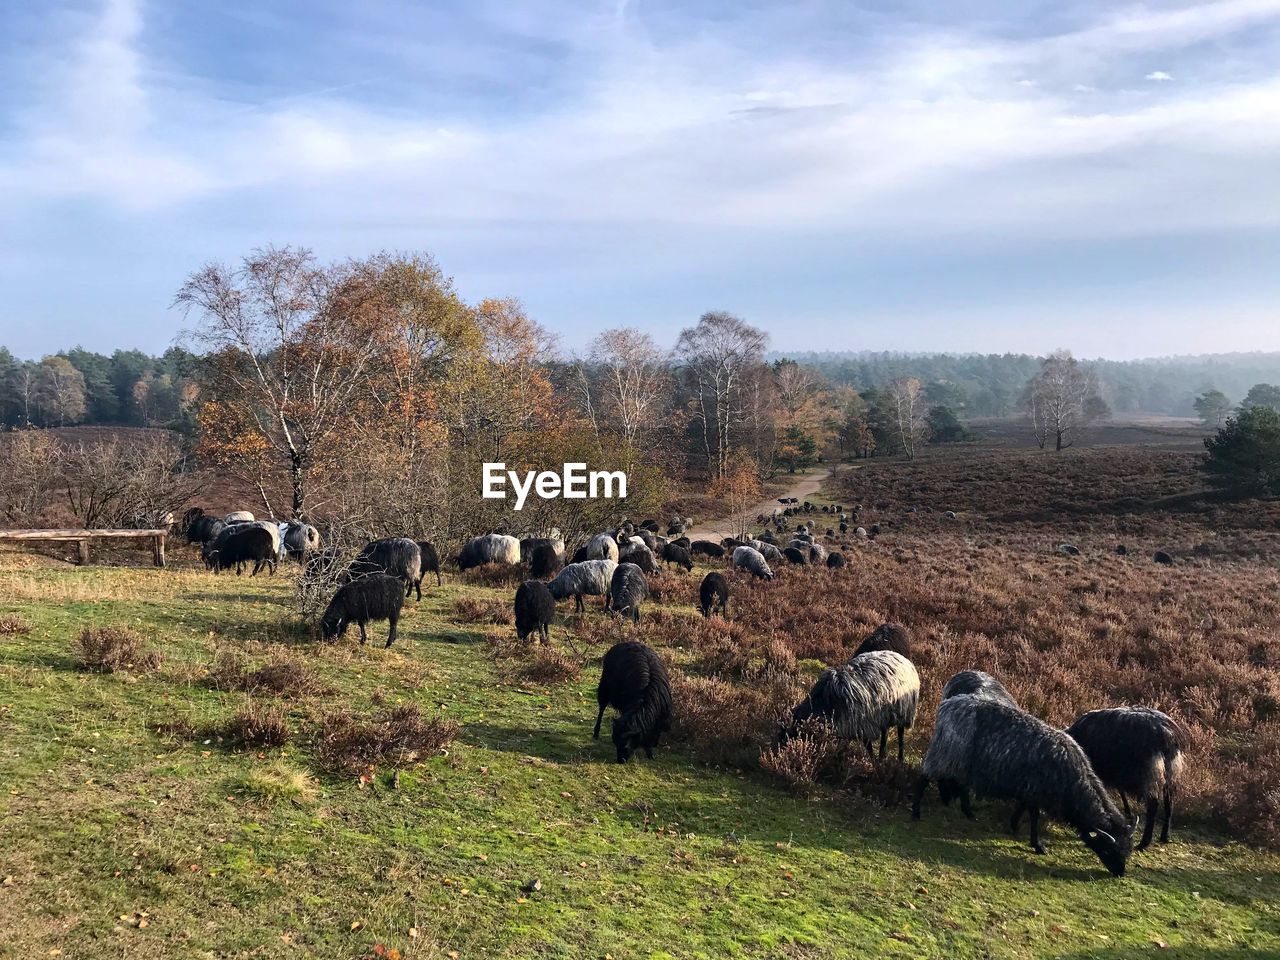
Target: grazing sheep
<point x="240" y="544"/>
<point x="377" y="596"/>
<point x="679" y="542"/>
<point x="950" y="514"/>
<point x="627" y="589"/>
<point x="997" y="750"/>
<point x="836" y="560"/>
<point x="238" y="516"/>
<point x="1136" y="751"/>
<point x="579" y="555"/>
<point x="796" y="556"/>
<point x="751" y="560"/>
<point x="1069" y="549"/>
<point x="873" y="531"/>
<point x="634" y="682"/>
<point x="1121" y="550"/>
<point x="397" y="557"/>
<point x="535" y="610"/>
<point x="887" y="636"/>
<point x="301" y="539"/>
<point x="634" y="551"/>
<point x="676" y="526"/>
<point x="1161" y="556"/>
<point x="831" y="531"/>
<point x="651" y="525"/>
<point x="767" y="550"/>
<point x="543" y="561"/>
<point x="976" y="683"/>
<point x="491" y="548"/>
<point x="647" y="537"/>
<point x="430" y="562"/>
<point x="713" y="594"/>
<point x="844" y="528"/>
<point x="529" y="544"/>
<point x="589" y="578"/>
<point x="204" y="529"/>
<point x="706" y="548"/>
<point x="677" y="555"/>
<point x="602" y="547"/>
<point x="817" y="553"/>
<point x="864" y="699"/>
<point x="860" y="532"/>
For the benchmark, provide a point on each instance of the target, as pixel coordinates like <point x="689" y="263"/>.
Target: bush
<point x="256" y="725"/>
<point x="349" y="747"/>
<point x="12" y="623"/>
<point x="1245" y="453"/>
<point x="546" y="665"/>
<point x="283" y="674"/>
<point x="114" y="649"/>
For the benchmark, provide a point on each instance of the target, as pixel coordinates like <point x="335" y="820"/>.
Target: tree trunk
<point x="299" y="486"/>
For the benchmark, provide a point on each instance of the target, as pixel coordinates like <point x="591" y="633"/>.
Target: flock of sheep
<point x="983" y="742"/>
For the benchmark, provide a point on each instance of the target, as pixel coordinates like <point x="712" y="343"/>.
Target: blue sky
<point x="916" y="176"/>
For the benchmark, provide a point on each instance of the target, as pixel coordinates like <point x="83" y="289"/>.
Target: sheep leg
<point x="417" y="585"/>
<point x="599" y="718"/>
<point x="884" y="741"/>
<point x="922" y="784"/>
<point x="363" y="636"/>
<point x="964" y="804"/>
<point x="439" y="579"/>
<point x="871" y="753"/>
<point x="1036" y="845"/>
<point x="1168" y="814"/>
<point x="577" y="599"/>
<point x="901" y="748"/>
<point x="1124" y="799"/>
<point x="1153" y="807"/>
<point x="391" y="634"/>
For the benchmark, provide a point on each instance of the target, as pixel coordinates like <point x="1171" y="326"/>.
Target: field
<point x="146" y="815"/>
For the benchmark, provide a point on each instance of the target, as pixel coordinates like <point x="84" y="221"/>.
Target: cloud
<point x="1158" y="75"/>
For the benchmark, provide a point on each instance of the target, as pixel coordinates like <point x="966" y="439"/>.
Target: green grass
<point x="227" y="853"/>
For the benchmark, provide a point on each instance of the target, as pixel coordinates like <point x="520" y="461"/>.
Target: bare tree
<point x="629" y="373"/>
<point x="1060" y="399"/>
<point x="717" y="356"/>
<point x="910" y="412"/>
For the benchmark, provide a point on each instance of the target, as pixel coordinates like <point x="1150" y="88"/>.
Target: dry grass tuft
<point x="545" y="665"/>
<point x="283" y="674"/>
<point x="258" y="725"/>
<point x="349" y="747"/>
<point x="483" y="610"/>
<point x="12" y="623"/>
<point x="113" y="650"/>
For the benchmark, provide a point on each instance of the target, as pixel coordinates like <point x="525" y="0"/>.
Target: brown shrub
<point x="114" y="649"/>
<point x="483" y="610"/>
<point x="12" y="623"/>
<point x="283" y="673"/>
<point x="546" y="665"/>
<point x="349" y="747"/>
<point x="726" y="722"/>
<point x="258" y="725"/>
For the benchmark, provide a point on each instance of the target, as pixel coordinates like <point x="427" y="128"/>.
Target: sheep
<point x="238" y="516"/>
<point x="589" y="578"/>
<point x="301" y="539"/>
<point x="237" y="545"/>
<point x="529" y="544"/>
<point x="767" y="550"/>
<point x="430" y="562"/>
<point x="602" y="547"/>
<point x="491" y="548"/>
<point x="579" y="555"/>
<point x="543" y="561"/>
<point x="677" y="555"/>
<point x="873" y="531"/>
<point x="887" y="636"/>
<point x="204" y="529"/>
<point x="634" y="682"/>
<point x="836" y="560"/>
<point x="713" y="594"/>
<point x="1121" y="550"/>
<point x="676" y="526"/>
<point x="1069" y="549"/>
<point x="817" y="553"/>
<point x="651" y="525"/>
<point x="679" y="542"/>
<point x="1161" y="557"/>
<point x="860" y="532"/>
<point x="1138" y="751"/>
<point x="844" y="528"/>
<point x="706" y="548"/>
<point x="864" y="699"/>
<point x="377" y="596"/>
<point x="273" y="528"/>
<point x="398" y="557"/>
<point x="634" y="551"/>
<point x="647" y="537"/>
<point x="535" y="609"/>
<point x="976" y="683"/>
<point x="793" y="555"/>
<point x="751" y="560"/>
<point x="627" y="589"/>
<point x="997" y="750"/>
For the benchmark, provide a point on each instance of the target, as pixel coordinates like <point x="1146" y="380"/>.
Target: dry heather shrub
<point x="808" y="758"/>
<point x="725" y="722"/>
<point x="483" y="610"/>
<point x="495" y="575"/>
<point x="283" y="674"/>
<point x="546" y="665"/>
<point x="349" y="747"/>
<point x="12" y="623"/>
<point x="258" y="725"/>
<point x="114" y="649"/>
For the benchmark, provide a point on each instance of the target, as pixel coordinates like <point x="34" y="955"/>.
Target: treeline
<point x="993" y="385"/>
<point x="78" y="386"/>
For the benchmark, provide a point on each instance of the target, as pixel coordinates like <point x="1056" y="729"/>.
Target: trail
<point x="719" y="529"/>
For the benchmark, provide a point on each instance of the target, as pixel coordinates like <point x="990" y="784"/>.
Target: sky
<point x="964" y="176"/>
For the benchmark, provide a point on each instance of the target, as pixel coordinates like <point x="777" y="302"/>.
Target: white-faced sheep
<point x="535" y="610"/>
<point x="397" y="557"/>
<point x="590" y="578"/>
<point x="602" y="547"/>
<point x="751" y="560"/>
<point x="713" y="595"/>
<point x="491" y="548"/>
<point x="1136" y="751"/>
<point x="627" y="590"/>
<point x="374" y="597"/>
<point x="634" y="682"/>
<point x="997" y="750"/>
<point x="864" y="699"/>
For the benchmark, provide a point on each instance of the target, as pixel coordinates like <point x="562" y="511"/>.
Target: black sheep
<point x="375" y="596"/>
<point x="677" y="555"/>
<point x="544" y="561"/>
<point x="634" y="682"/>
<point x="535" y="610"/>
<point x="706" y="548"/>
<point x="1136" y="751"/>
<point x="627" y="589"/>
<point x="836" y="560"/>
<point x="713" y="595"/>
<point x="395" y="556"/>
<point x="887" y="636"/>
<point x="796" y="556"/>
<point x="430" y="562"/>
<point x="238" y="545"/>
<point x="581" y="555"/>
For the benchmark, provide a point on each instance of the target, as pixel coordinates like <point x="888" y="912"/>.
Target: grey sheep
<point x="395" y="556"/>
<point x="976" y="683"/>
<point x="751" y="560"/>
<point x="887" y="636"/>
<point x="636" y="552"/>
<point x="301" y="539"/>
<point x="997" y="750"/>
<point x="627" y="590"/>
<point x="491" y="548"/>
<point x="590" y="578"/>
<point x="602" y="547"/>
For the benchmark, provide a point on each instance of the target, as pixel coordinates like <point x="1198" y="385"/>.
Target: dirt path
<point x="805" y="487"/>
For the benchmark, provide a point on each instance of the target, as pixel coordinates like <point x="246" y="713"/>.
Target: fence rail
<point x="82" y="538"/>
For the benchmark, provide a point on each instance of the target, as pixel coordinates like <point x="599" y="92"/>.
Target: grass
<point x="120" y="804"/>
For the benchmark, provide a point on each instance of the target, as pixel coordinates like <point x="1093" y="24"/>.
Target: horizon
<point x="974" y="179"/>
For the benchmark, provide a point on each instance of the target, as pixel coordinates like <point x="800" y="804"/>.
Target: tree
<point x="944" y="426"/>
<point x="1060" y="399"/>
<point x="290" y="345"/>
<point x="907" y="406"/>
<point x="1261" y="395"/>
<point x="717" y="356"/>
<point x="623" y="384"/>
<point x="1212" y="407"/>
<point x="60" y="392"/>
<point x="738" y="488"/>
<point x="798" y="450"/>
<point x="1245" y="453"/>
